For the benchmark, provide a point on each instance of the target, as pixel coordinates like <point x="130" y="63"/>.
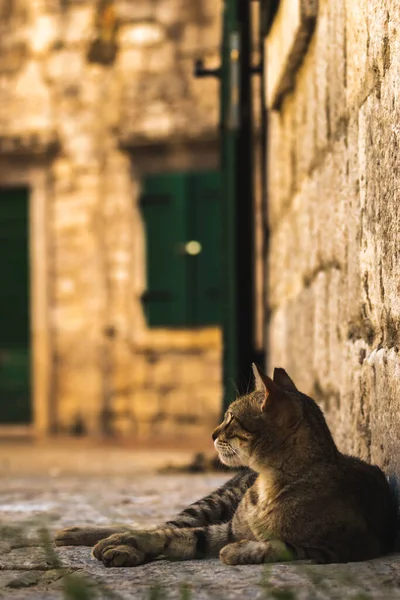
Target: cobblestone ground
<point x="54" y="487"/>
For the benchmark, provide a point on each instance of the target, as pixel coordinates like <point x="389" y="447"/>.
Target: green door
<point x="15" y="385"/>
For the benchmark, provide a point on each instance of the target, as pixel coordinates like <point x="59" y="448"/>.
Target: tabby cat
<point x="297" y="496"/>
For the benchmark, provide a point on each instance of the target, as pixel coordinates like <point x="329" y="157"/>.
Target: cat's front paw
<point x="129" y="549"/>
<point x="122" y="556"/>
<point x="230" y="554"/>
<point x="120" y="550"/>
<point x="245" y="552"/>
<point x="113" y="541"/>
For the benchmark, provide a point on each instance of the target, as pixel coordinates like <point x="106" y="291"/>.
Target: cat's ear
<point x="276" y="402"/>
<point x="266" y="385"/>
<point x="258" y="380"/>
<point x="282" y="379"/>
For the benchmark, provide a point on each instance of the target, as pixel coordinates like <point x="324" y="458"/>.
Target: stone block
<point x="13" y="55"/>
<point x="170" y="12"/>
<point x="337" y="69"/>
<point x="356" y="51"/>
<point x="321" y="329"/>
<point x="308" y="200"/>
<point x="130" y="60"/>
<point x="329" y="209"/>
<point x="288" y="142"/>
<point x="32" y="101"/>
<point x="282" y="277"/>
<point x="124" y="425"/>
<point x="305" y="112"/>
<point x="211" y="371"/>
<point x="63" y="176"/>
<point x="209" y="401"/>
<point x="141" y="10"/>
<point x="83" y="386"/>
<point x="278" y="339"/>
<point x="336" y="313"/>
<point x="177" y="404"/>
<point x="379" y="37"/>
<point x="321" y="65"/>
<point x="292" y="339"/>
<point x="65" y="67"/>
<point x="162" y="374"/>
<point x="340" y="204"/>
<point x="161" y="58"/>
<point x="44" y="32"/>
<point x="198" y="41"/>
<point x="352" y="193"/>
<point x="142" y="34"/>
<point x="192" y="370"/>
<point x="78" y="28"/>
<point x="275" y="169"/>
<point x="380" y="231"/>
<point x="146" y="404"/>
<point x="301" y="339"/>
<point x="384" y="418"/>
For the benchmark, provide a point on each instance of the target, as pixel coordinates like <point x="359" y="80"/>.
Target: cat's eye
<point x="228" y="418"/>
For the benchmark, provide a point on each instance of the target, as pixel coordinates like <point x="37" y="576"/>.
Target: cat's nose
<point x="214" y="435"/>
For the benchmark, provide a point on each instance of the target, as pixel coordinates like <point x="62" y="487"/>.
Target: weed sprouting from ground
<point x="271" y="591"/>
<point x="52" y="558"/>
<point x="156" y="592"/>
<point x="186" y="592"/>
<point x="76" y="586"/>
<point x="283" y="594"/>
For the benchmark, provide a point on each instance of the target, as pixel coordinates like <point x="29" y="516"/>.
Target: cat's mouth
<point x="228" y="456"/>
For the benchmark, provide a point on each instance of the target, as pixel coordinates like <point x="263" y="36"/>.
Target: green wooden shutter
<point x="164" y="213"/>
<point x="15" y="405"/>
<point x="182" y="289"/>
<point x="204" y="198"/>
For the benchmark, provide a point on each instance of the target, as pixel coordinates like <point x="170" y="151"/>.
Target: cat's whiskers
<point x="230" y="453"/>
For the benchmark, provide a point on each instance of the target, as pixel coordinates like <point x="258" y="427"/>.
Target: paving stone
<point x="24" y="579"/>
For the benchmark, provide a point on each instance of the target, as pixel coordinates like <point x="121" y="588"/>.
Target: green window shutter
<point x="205" y="226"/>
<point x="15" y="401"/>
<point x="183" y="289"/>
<point x="164" y="212"/>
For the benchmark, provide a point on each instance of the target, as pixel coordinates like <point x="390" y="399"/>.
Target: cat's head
<point x="275" y="426"/>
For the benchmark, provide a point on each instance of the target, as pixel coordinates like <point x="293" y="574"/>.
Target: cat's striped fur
<point x="297" y="497"/>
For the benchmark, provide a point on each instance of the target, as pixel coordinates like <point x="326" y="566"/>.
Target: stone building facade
<point x="94" y="95"/>
<point x="334" y="191"/>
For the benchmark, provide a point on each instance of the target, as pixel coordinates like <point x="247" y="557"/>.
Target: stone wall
<point x="83" y="83"/>
<point x="335" y="219"/>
